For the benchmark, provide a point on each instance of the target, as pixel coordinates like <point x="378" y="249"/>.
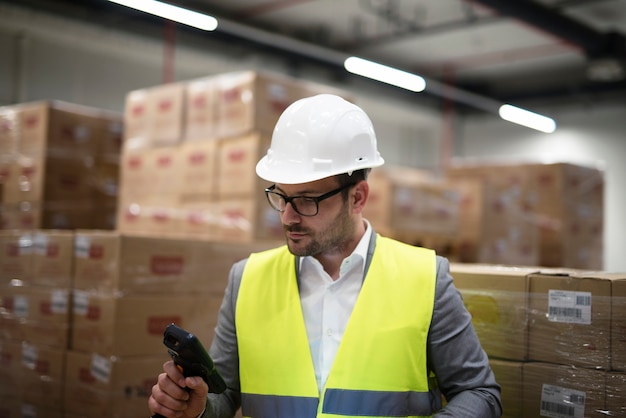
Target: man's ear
<point x="359" y="198"/>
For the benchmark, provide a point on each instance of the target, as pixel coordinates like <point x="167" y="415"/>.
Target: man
<point x="340" y="321"/>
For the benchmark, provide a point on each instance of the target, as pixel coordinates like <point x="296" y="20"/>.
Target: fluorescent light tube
<point x="527" y="118"/>
<point x="171" y="12"/>
<point x="385" y="74"/>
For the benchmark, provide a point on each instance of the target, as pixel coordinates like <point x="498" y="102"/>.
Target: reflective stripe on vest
<point x="380" y="367"/>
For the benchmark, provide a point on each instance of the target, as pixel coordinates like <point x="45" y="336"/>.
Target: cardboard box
<point x="201" y="109"/>
<point x="9" y="130"/>
<point x="19" y="216"/>
<point x="163" y="167"/>
<point x="134" y="264"/>
<point x="407" y="202"/>
<point x="12" y="407"/>
<point x="10" y="358"/>
<point x="32" y="374"/>
<point x="616" y="394"/>
<point x="24" y="179"/>
<point x="153" y="116"/>
<point x="570" y="318"/>
<point x="618" y="323"/>
<point x="552" y="390"/>
<point x="38" y="315"/>
<point x="570" y="202"/>
<point x="198" y="171"/>
<point x="135" y="181"/>
<point x="133" y="325"/>
<point x="109" y="387"/>
<point x="137" y="120"/>
<point x="509" y="377"/>
<point x="49" y="179"/>
<point x="199" y="218"/>
<point x="236" y="165"/>
<point x="150" y="219"/>
<point x="43" y="375"/>
<point x="249" y="100"/>
<point x="16" y="255"/>
<point x="497" y="299"/>
<point x="248" y="220"/>
<point x="561" y="202"/>
<point x="53" y="256"/>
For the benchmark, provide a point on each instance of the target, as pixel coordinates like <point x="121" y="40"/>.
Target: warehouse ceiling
<point x="516" y="51"/>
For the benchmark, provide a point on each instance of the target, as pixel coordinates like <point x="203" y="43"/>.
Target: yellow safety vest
<point x="380" y="367"/>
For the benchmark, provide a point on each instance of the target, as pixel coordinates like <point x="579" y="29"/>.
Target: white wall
<point x="587" y="134"/>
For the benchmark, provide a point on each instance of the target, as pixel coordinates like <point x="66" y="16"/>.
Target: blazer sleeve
<point x="224" y="351"/>
<point x="456" y="357"/>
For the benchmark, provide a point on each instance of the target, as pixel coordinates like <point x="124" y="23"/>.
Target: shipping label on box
<point x="552" y="390"/>
<point x="100" y="386"/>
<point x="570" y="319"/>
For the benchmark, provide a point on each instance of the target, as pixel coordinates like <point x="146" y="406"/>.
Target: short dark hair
<point x="353" y="178"/>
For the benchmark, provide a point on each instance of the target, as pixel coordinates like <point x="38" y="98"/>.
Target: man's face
<point x="329" y="231"/>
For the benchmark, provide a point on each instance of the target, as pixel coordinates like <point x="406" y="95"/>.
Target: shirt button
<point x="329" y="332"/>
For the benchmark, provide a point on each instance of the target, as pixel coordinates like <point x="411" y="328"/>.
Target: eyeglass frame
<point x="316" y="199"/>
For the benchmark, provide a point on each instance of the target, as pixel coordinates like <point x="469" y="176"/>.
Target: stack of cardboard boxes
<point x="36" y="268"/>
<point x="412" y="206"/>
<point x="59" y="166"/>
<point x="555" y="338"/>
<point x="530" y="214"/>
<point x="82" y="315"/>
<point x="190" y="151"/>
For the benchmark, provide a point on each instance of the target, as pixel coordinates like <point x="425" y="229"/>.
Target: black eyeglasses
<point x="303" y="205"/>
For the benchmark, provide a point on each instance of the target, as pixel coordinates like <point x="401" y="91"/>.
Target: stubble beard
<point x="334" y="238"/>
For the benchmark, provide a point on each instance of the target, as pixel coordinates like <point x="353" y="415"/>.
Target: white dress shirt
<point x="327" y="304"/>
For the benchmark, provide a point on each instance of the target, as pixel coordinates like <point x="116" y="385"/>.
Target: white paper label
<point x="25" y="246"/>
<point x="40" y="244"/>
<point x="81" y="302"/>
<point x="29" y="355"/>
<point x="81" y="246"/>
<point x="20" y="307"/>
<point x="101" y="368"/>
<point x="558" y="402"/>
<point x="570" y="307"/>
<point x="59" y="302"/>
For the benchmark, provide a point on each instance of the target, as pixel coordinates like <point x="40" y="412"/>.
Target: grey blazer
<point x="454" y="352"/>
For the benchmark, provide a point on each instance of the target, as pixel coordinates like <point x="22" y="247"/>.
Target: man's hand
<point x="175" y="396"/>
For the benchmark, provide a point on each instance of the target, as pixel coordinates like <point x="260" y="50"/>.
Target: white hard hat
<point x="318" y="137"/>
